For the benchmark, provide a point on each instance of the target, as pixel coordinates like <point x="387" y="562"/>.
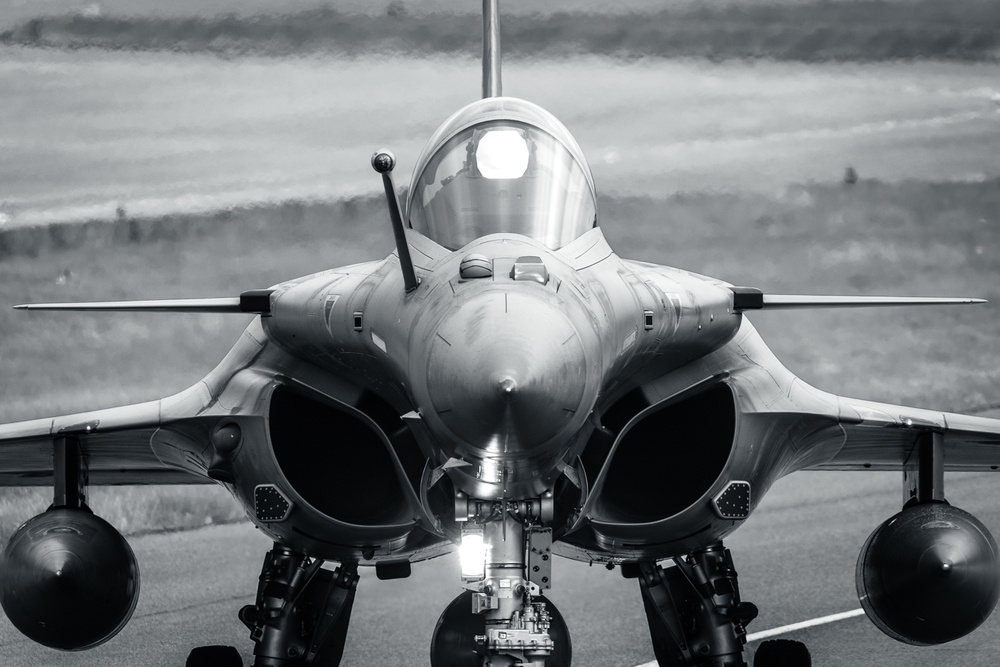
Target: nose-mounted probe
<point x="383" y="162"/>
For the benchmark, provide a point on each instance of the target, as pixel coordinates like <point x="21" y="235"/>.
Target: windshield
<point x="502" y="176"/>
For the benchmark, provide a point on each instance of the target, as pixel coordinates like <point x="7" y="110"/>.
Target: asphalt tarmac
<point x="796" y="558"/>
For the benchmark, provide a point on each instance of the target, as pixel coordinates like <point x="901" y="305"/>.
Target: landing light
<point x="502" y="154"/>
<point x="472" y="554"/>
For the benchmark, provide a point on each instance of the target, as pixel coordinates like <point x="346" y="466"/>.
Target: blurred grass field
<point x="869" y="238"/>
<point x="802" y="31"/>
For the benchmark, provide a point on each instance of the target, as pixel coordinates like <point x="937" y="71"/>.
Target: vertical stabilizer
<point x="491" y="49"/>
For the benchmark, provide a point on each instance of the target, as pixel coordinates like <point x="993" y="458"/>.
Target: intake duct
<point x="929" y="574"/>
<point x="349" y="462"/>
<point x="666" y="456"/>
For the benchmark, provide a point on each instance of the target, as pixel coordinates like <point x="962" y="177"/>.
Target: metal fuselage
<point x="503" y="374"/>
<point x="502" y="380"/>
<point x="526" y="360"/>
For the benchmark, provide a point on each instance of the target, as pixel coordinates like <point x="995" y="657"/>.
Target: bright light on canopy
<point x="502" y="154"/>
<point x="502" y="165"/>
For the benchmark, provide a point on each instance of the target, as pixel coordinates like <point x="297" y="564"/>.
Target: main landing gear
<point x="695" y="613"/>
<point x="502" y="620"/>
<point x="697" y="618"/>
<point x="300" y="617"/>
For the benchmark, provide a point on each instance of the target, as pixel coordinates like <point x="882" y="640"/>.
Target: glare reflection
<point x="490" y="470"/>
<point x="502" y="154"/>
<point x="472" y="554"/>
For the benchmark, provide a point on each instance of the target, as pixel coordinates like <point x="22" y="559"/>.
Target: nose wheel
<point x="459" y="637"/>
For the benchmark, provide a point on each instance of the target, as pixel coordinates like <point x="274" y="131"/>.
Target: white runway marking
<point x="766" y="634"/>
<point x="822" y="620"/>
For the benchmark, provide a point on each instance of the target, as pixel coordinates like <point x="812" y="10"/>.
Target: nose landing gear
<point x="502" y="619"/>
<point x="460" y="638"/>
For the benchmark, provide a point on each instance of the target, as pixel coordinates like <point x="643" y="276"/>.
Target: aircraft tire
<point x="214" y="656"/>
<point x="782" y="653"/>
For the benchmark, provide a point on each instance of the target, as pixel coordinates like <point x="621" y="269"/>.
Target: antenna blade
<point x="491" y="49"/>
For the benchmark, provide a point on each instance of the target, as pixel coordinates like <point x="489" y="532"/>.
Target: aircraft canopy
<point x="502" y="165"/>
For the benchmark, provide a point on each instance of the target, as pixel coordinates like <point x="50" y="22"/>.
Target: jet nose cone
<point x="507" y="388"/>
<point x="507" y="373"/>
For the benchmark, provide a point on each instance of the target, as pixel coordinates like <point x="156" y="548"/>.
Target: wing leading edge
<point x="818" y="430"/>
<point x="882" y="436"/>
<point x="115" y="446"/>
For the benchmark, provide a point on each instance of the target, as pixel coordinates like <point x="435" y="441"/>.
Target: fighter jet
<point x="503" y="384"/>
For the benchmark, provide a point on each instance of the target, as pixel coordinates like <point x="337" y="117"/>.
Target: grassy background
<point x="870" y="238"/>
<point x="53" y="365"/>
<point x="809" y="31"/>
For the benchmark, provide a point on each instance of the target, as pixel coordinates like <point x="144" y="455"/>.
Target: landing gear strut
<point x="302" y="611"/>
<point x="502" y="620"/>
<point x="695" y="613"/>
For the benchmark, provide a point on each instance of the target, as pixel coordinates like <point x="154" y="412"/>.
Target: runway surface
<point x="795" y="556"/>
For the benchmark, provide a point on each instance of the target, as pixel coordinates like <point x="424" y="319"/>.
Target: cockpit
<point x="502" y="165"/>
